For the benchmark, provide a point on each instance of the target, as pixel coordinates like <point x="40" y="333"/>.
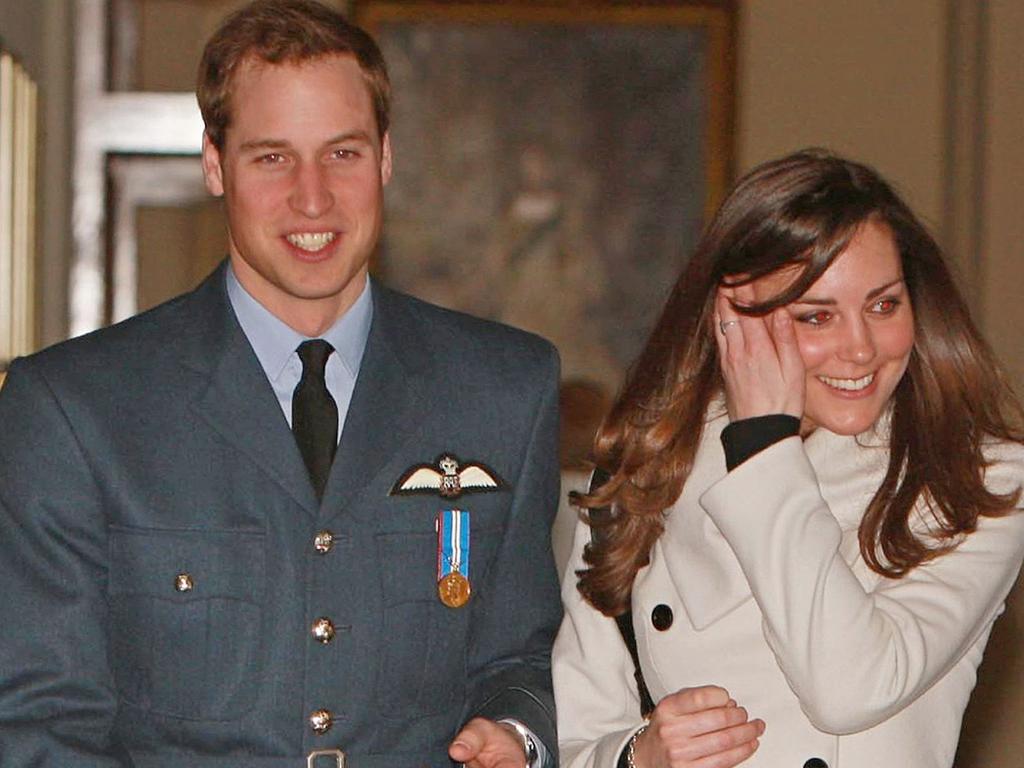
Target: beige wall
<point x="1002" y="243"/>
<point x="864" y="78"/>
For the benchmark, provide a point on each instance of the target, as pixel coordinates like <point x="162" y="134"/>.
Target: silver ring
<point x="722" y="325"/>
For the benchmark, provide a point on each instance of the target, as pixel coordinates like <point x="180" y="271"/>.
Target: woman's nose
<point x="857" y="344"/>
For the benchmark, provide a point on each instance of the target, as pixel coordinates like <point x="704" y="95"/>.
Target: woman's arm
<point x="599" y="708"/>
<point x="854" y="657"/>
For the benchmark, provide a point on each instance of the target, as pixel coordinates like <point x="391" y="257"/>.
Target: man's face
<point x="302" y="172"/>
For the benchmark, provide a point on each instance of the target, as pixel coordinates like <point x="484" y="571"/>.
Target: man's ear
<point x="212" y="173"/>
<point x="385" y="159"/>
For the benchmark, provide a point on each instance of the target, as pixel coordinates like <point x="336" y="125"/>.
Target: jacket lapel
<point x="234" y="396"/>
<point x="388" y="402"/>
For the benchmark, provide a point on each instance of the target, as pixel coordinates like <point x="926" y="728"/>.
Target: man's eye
<point x="271" y="158"/>
<point x="819" y="317"/>
<point x="345" y="154"/>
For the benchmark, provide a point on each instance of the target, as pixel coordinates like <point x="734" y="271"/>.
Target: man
<point x="191" y="575"/>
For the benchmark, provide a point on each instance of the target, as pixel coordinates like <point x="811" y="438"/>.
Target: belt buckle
<point x="337" y="754"/>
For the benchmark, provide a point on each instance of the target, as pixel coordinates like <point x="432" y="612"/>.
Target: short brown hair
<point x="283" y="31"/>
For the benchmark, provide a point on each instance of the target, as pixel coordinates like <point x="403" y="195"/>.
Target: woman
<point x="815" y="470"/>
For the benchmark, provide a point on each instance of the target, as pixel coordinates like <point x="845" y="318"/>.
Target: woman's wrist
<point x="627" y="758"/>
<point x="745" y="438"/>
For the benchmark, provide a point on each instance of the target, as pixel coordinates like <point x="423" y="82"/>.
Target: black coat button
<point x="661" y="617"/>
<point x="815" y="762"/>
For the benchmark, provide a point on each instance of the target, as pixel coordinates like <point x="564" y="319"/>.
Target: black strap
<point x="624" y="619"/>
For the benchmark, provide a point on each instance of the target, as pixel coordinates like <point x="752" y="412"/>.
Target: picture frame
<point x="554" y="163"/>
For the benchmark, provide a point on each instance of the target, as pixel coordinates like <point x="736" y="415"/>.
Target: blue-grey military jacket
<point x="166" y="568"/>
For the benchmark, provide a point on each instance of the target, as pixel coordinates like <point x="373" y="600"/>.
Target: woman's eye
<point x="885" y="306"/>
<point x="819" y="317"/>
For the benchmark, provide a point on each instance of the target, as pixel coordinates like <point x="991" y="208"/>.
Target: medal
<point x="453" y="587"/>
<point x="454" y="590"/>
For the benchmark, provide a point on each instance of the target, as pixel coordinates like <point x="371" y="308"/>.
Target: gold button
<point x="183" y="582"/>
<point x="320" y="721"/>
<point x="323" y="630"/>
<point x="323" y="542"/>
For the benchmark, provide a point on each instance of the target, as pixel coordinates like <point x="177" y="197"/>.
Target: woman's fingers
<point x="683" y="747"/>
<point x="710" y="720"/>
<point x="791" y="363"/>
<point x="692" y="748"/>
<point x="698" y="727"/>
<point x="756" y="338"/>
<point x="729" y="333"/>
<point x="760" y="358"/>
<point x="729" y="758"/>
<point x="688" y="701"/>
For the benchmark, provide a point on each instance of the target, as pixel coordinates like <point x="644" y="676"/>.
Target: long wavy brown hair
<point x="803" y="210"/>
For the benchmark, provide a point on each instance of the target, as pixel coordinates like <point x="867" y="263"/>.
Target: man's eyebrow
<point x="263" y="144"/>
<point x="349" y="136"/>
<point x="340" y="138"/>
<point x="831" y="302"/>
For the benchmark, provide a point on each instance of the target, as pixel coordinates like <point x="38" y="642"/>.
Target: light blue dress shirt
<point x="275" y="343"/>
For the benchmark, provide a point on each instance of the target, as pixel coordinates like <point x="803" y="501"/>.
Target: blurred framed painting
<point x="554" y="162"/>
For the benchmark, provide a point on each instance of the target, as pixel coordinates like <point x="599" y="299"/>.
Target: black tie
<point x="315" y="414"/>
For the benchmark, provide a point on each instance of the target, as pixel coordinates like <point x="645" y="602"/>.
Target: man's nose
<point x="311" y="196"/>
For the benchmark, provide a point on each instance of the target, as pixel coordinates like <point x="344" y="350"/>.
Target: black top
<point x="747" y="437"/>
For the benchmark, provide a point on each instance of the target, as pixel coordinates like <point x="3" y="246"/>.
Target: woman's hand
<point x="761" y="364"/>
<point x="697" y="728"/>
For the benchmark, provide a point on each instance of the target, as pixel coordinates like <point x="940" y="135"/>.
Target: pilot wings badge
<point x="454" y="479"/>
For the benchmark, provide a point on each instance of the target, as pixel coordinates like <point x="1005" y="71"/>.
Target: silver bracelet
<point x="529" y="747"/>
<point x="631" y="749"/>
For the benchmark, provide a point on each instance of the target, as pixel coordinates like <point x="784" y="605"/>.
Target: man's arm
<point x="57" y="696"/>
<point x="510" y="655"/>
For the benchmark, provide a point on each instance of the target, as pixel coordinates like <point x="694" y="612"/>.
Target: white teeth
<point x="311" y="241"/>
<point x="850" y="385"/>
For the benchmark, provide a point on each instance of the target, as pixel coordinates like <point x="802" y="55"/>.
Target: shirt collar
<point x="274" y="341"/>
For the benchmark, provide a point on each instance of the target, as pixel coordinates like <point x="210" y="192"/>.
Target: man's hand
<point x="486" y="744"/>
<point x="697" y="728"/>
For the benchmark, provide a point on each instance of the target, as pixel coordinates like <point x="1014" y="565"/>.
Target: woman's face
<point x="855" y="332"/>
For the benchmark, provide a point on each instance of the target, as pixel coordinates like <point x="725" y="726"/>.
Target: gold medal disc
<point x="454" y="590"/>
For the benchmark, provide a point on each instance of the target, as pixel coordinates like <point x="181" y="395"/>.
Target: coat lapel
<point x="388" y="402"/>
<point x="699" y="560"/>
<point x="234" y="396"/>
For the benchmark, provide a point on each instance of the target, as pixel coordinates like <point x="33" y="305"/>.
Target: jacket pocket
<point x="423" y="657"/>
<point x="186" y="609"/>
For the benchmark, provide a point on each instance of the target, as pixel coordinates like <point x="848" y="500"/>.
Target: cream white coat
<point x="772" y="600"/>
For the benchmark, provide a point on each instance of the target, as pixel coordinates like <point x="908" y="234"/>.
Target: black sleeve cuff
<point x="747" y="437"/>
